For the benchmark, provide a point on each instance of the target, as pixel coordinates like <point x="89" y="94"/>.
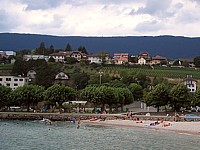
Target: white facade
<point x="35" y="57"/>
<point x="95" y="59"/>
<point x="191" y="84"/>
<point x="12" y="81"/>
<point x="142" y="61"/>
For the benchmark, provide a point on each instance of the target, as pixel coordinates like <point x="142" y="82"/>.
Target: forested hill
<point x="168" y="46"/>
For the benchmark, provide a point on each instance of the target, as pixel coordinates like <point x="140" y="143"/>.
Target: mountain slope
<point x="169" y="46"/>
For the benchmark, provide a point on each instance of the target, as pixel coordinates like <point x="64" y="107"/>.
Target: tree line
<point x="112" y="95"/>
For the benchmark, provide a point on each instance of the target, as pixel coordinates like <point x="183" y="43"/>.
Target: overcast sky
<point x="101" y="17"/>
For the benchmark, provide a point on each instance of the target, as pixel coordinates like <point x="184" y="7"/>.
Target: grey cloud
<point x="149" y="26"/>
<point x="157" y="8"/>
<point x="7" y="22"/>
<point x="188" y="17"/>
<point x="179" y="5"/>
<point x="42" y="4"/>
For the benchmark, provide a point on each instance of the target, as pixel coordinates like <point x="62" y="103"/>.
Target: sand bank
<point x="179" y="127"/>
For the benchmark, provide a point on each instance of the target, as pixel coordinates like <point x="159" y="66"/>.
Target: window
<point x="15" y="84"/>
<point x="8" y="79"/>
<point x="20" y="79"/>
<point x="15" y="79"/>
<point x="8" y="84"/>
<point x="1" y="79"/>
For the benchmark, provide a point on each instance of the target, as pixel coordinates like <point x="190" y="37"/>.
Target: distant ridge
<point x="166" y="45"/>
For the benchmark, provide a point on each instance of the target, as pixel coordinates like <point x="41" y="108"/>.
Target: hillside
<point x="169" y="46"/>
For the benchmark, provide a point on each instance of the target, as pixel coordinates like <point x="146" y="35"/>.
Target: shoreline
<point x="186" y="128"/>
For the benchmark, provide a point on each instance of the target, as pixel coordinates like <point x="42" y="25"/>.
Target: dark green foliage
<point x="136" y="90"/>
<point x="80" y="80"/>
<point x="196" y="98"/>
<point x="49" y="50"/>
<point x="41" y="50"/>
<point x="180" y="97"/>
<point x="82" y="49"/>
<point x="70" y="60"/>
<point x="20" y="67"/>
<point x="197" y="61"/>
<point x="68" y="47"/>
<point x="4" y="95"/>
<point x="28" y="95"/>
<point x="59" y="94"/>
<point x="159" y="96"/>
<point x="46" y="74"/>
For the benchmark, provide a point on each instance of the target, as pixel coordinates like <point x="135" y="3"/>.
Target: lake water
<point x="34" y="135"/>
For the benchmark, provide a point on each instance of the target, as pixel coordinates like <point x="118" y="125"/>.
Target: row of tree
<point x="29" y="96"/>
<point x="177" y="97"/>
<point x="100" y="95"/>
<point x="43" y="50"/>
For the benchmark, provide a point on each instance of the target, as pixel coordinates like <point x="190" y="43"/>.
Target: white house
<point x="142" y="61"/>
<point x="95" y="59"/>
<point x="35" y="57"/>
<point x="190" y="83"/>
<point x="13" y="81"/>
<point x="62" y="76"/>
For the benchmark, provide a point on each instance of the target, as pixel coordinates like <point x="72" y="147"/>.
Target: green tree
<point x="59" y="94"/>
<point x="127" y="79"/>
<point x="117" y="84"/>
<point x="41" y="50"/>
<point x="20" y="67"/>
<point x="21" y="53"/>
<point x="196" y="99"/>
<point x="68" y="47"/>
<point x="159" y="96"/>
<point x="70" y="60"/>
<point x="159" y="80"/>
<point x="125" y="97"/>
<point x="94" y="95"/>
<point x="82" y="49"/>
<point x="142" y="80"/>
<point x="46" y="74"/>
<point x="28" y="95"/>
<point x="136" y="90"/>
<point x="80" y="80"/>
<point x="4" y="95"/>
<point x="185" y="63"/>
<point x="180" y="97"/>
<point x="110" y="96"/>
<point x="197" y="61"/>
<point x="49" y="50"/>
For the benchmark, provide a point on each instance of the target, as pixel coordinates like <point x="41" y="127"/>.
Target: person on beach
<point x="78" y="122"/>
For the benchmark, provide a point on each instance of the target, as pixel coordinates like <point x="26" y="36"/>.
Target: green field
<point x="156" y="71"/>
<point x="6" y="66"/>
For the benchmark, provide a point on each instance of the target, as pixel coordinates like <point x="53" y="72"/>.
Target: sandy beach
<point x="179" y="127"/>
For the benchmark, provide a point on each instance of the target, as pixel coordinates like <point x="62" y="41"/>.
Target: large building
<point x="13" y="81"/>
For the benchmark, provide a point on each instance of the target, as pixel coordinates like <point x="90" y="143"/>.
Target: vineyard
<point x="156" y="71"/>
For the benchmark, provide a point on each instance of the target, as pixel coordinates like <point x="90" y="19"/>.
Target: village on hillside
<point x="143" y="58"/>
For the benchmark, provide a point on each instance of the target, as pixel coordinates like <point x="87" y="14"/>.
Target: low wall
<point x="54" y="116"/>
<point x="69" y="116"/>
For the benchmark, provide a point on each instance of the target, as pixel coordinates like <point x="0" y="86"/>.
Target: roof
<point x="191" y="60"/>
<point x="157" y="57"/>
